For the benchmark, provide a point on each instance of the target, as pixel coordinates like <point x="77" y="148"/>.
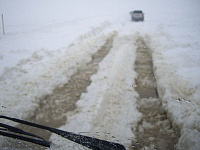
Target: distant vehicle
<point x="137" y="15"/>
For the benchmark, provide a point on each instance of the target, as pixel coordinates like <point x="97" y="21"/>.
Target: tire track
<point x="108" y="110"/>
<point x="155" y="130"/>
<point x="53" y="108"/>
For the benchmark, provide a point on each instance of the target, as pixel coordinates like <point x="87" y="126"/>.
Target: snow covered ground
<point x="108" y="109"/>
<point x="47" y="41"/>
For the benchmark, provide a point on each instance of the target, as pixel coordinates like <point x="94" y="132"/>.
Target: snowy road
<point x="112" y="96"/>
<point x="98" y="100"/>
<point x="108" y="109"/>
<point x="76" y="65"/>
<point x="53" y="108"/>
<point x="154" y="130"/>
<point x="110" y="93"/>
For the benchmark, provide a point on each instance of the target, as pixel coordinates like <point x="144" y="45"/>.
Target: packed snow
<point x="109" y="106"/>
<point x="47" y="41"/>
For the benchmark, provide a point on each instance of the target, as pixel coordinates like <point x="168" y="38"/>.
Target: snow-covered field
<point x="47" y="41"/>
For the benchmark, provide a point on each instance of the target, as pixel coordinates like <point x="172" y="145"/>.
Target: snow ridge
<point x="108" y="110"/>
<point x="179" y="93"/>
<point x="22" y="86"/>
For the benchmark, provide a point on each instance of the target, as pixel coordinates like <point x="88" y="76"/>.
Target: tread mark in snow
<point x="53" y="108"/>
<point x="154" y="131"/>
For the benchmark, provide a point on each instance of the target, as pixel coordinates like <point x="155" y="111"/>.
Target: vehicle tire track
<point x="53" y="108"/>
<point x="155" y="130"/>
<point x="108" y="110"/>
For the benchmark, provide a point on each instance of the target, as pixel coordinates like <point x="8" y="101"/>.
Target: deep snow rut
<point x="53" y="108"/>
<point x="108" y="110"/>
<point x="154" y="131"/>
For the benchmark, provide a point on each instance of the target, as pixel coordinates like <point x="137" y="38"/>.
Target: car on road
<point x="137" y="15"/>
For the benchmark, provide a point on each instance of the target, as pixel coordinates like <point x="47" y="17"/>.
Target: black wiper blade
<point x="24" y="138"/>
<point x="90" y="142"/>
<point x="19" y="131"/>
<point x="10" y="131"/>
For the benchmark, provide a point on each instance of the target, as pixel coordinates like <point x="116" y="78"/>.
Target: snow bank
<point x="177" y="69"/>
<point x="108" y="109"/>
<point x="22" y="87"/>
<point x="177" y="74"/>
